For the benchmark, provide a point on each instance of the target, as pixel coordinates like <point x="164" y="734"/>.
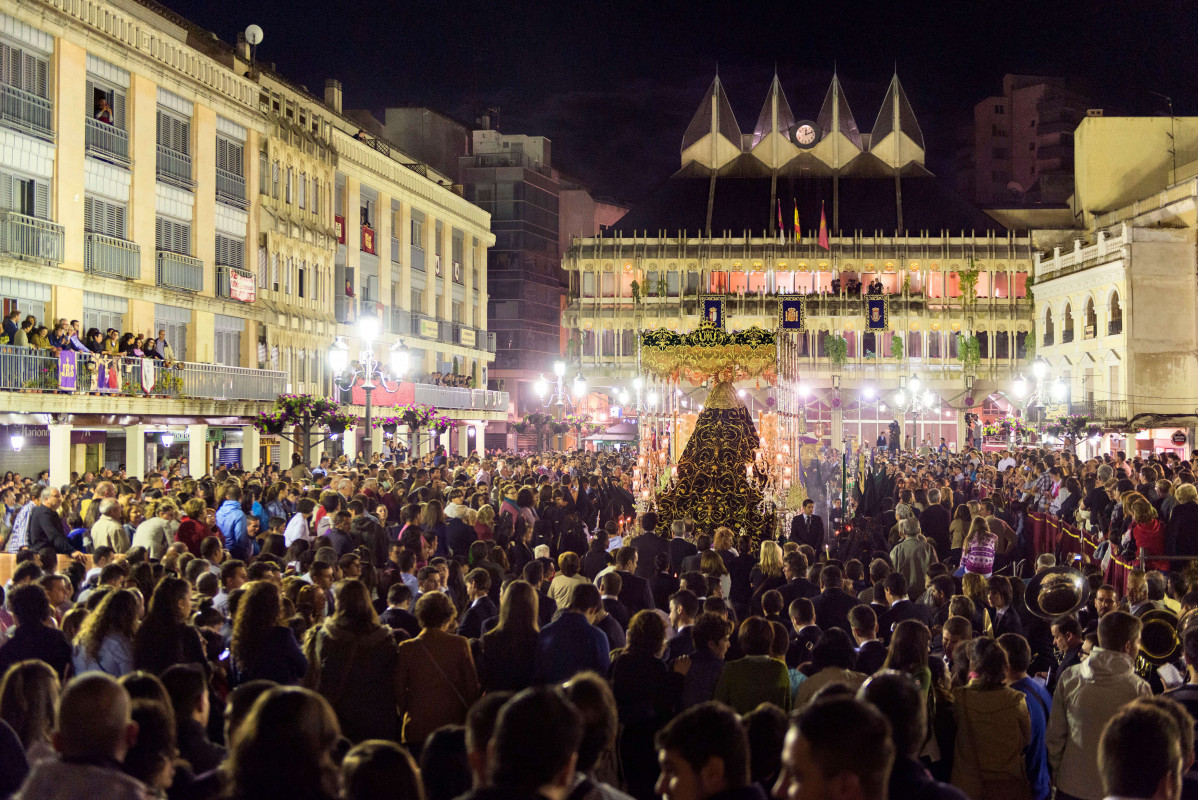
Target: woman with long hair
<point x="484" y="526"/>
<point x="647" y="695"/>
<point x="712" y="566"/>
<point x="908" y="652"/>
<point x="29" y="694"/>
<point x="958" y="529"/>
<point x="351" y="663"/>
<point x="263" y="648"/>
<point x="505" y="655"/>
<point x="722" y="544"/>
<point x="166" y="636"/>
<point x="105" y="641"/>
<point x="432" y="525"/>
<point x="767" y="574"/>
<point x="993" y="729"/>
<point x="294" y="732"/>
<point x="977" y="553"/>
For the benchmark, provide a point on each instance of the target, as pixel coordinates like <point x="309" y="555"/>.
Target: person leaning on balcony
<point x="95" y="341"/>
<point x="112" y="344"/>
<point x="21" y="337"/>
<point x="40" y="338"/>
<point x="11" y="323"/>
<point x="164" y="347"/>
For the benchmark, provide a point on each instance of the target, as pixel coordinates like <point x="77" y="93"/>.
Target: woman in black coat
<point x="505" y="656"/>
<point x="1181" y="534"/>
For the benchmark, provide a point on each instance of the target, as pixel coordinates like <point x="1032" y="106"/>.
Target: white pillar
<point x="464" y="439"/>
<point x="286" y="448"/>
<point x="197" y="449"/>
<point x="480" y="439"/>
<point x="251" y="455"/>
<point x="315" y="453"/>
<point x="445" y="440"/>
<point x="838" y="428"/>
<point x="135" y="451"/>
<point x="79" y="457"/>
<point x="376" y="440"/>
<point x="60" y="455"/>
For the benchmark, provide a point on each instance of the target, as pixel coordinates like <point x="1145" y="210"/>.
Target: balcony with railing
<point x="30" y="238"/>
<point x="417" y="258"/>
<point x="395" y="249"/>
<point x="1049" y="339"/>
<point x="1114" y="327"/>
<point x="1100" y="409"/>
<point x="1067" y="336"/>
<point x="175" y="168"/>
<point x="106" y="142"/>
<point x="444" y="397"/>
<point x="230" y="188"/>
<point x="490" y="342"/>
<point x="235" y="283"/>
<point x="110" y="256"/>
<point x="177" y="271"/>
<point x="345" y="309"/>
<point x="24" y="369"/>
<point x="26" y="112"/>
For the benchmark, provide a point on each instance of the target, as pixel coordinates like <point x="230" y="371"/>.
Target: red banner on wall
<point x="382" y="398"/>
<point x="339" y="224"/>
<point x="367" y="239"/>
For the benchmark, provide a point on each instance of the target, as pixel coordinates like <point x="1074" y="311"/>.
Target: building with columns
<point x="152" y="178"/>
<point x="1117" y="300"/>
<point x="725" y="224"/>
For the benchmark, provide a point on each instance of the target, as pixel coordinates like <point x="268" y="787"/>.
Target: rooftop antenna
<point x="253" y="37"/>
<point x="1172" y="130"/>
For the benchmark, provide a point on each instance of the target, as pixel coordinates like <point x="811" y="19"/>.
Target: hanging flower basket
<point x="390" y="428"/>
<point x="338" y="422"/>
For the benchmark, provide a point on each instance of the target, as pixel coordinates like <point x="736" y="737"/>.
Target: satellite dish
<point x="253" y="35"/>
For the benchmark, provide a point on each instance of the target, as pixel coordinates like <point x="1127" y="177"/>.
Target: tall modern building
<point x="153" y="178"/>
<point x="1021" y="149"/>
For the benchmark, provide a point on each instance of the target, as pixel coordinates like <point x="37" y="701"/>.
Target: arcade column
<point x="197" y="449"/>
<point x="135" y="451"/>
<point x="60" y="455"/>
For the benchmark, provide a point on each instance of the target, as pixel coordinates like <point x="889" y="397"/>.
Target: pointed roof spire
<point x="714" y="116"/>
<point x="835" y="115"/>
<point x="766" y="121"/>
<point x="896" y="116"/>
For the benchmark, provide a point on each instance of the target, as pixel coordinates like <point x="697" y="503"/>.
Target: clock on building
<point x="805" y="134"/>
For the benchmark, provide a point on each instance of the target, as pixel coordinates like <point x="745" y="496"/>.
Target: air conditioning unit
<point x="1093" y="112"/>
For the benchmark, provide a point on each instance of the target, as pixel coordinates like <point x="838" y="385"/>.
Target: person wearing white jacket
<point x="1088" y="695"/>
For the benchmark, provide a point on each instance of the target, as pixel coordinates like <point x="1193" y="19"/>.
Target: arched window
<point x="1091" y="329"/>
<point x="1067" y="328"/>
<point x="1116" y="324"/>
<point x="1049" y="333"/>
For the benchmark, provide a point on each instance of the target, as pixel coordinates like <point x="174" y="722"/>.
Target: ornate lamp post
<point x="370" y="369"/>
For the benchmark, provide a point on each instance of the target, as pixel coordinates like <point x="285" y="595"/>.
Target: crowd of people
<point x="70" y="335"/>
<point x="512" y="627"/>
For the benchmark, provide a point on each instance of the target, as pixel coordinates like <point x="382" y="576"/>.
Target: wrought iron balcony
<point x="1049" y="341"/>
<point x="107" y="142"/>
<point x="1114" y="327"/>
<point x="175" y="168"/>
<point x="1066" y="336"/>
<point x="30" y="238"/>
<point x="230" y="188"/>
<point x="178" y="271"/>
<point x="26" y="112"/>
<point x="395" y="249"/>
<point x="110" y="256"/>
<point x="417" y="258"/>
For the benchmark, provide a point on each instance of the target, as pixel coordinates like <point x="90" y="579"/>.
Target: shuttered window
<point x="262" y="171"/>
<point x="303" y="190"/>
<point x="299" y="278"/>
<point x="24" y="195"/>
<point x="172" y="236"/>
<point x="230" y="156"/>
<point x="230" y="252"/>
<point x="174" y="321"/>
<point x="99" y="91"/>
<point x="227" y="339"/>
<point x="263" y="268"/>
<point x="25" y="70"/>
<point x="274" y="271"/>
<point x="287" y="276"/>
<point x="174" y="132"/>
<point x="104" y="216"/>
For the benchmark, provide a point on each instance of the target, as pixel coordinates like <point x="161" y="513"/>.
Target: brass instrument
<point x="1160" y="640"/>
<point x="1056" y="592"/>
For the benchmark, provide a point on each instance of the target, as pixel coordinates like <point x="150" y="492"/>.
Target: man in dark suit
<point x="901" y="607"/>
<point x="481" y="608"/>
<point x="663" y="585"/>
<point x="684" y="607"/>
<point x="459" y="536"/>
<point x="397" y="614"/>
<point x="680" y="548"/>
<point x="635" y="593"/>
<point x="534" y="573"/>
<point x="609" y="587"/>
<point x="871" y="653"/>
<point x="1003" y="616"/>
<point x="833" y="603"/>
<point x="807" y="528"/>
<point x="934" y="521"/>
<point x="806" y="633"/>
<point x="648" y="545"/>
<point x="691" y="563"/>
<point x="1067" y="638"/>
<point x="794" y="569"/>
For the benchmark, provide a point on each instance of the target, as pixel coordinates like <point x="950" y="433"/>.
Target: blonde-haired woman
<point x="767" y="574"/>
<point x="1181" y="538"/>
<point x="712" y="566"/>
<point x="722" y="544"/>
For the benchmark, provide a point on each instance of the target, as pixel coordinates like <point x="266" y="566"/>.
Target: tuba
<point x="1056" y="592"/>
<point x="1160" y="641"/>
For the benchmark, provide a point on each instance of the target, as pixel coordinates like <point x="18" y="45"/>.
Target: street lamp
<point x="17" y="441"/>
<point x="371" y="370"/>
<point x="1019" y="387"/>
<point x="1059" y="390"/>
<point x="623" y="397"/>
<point x="168" y="439"/>
<point x="1039" y="368"/>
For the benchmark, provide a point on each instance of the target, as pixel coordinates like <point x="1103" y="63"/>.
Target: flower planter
<point x="390" y="428"/>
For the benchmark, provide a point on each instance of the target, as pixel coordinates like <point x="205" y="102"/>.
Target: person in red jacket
<point x="1148" y="532"/>
<point x="192" y="529"/>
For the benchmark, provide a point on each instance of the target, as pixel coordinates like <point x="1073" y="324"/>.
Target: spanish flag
<point x="823" y="228"/>
<point x="798" y="230"/>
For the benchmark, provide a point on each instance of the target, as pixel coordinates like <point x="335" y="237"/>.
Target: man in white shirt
<point x="1006" y="461"/>
<point x="297" y="527"/>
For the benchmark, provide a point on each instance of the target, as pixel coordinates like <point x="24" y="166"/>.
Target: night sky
<point x="614" y="84"/>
